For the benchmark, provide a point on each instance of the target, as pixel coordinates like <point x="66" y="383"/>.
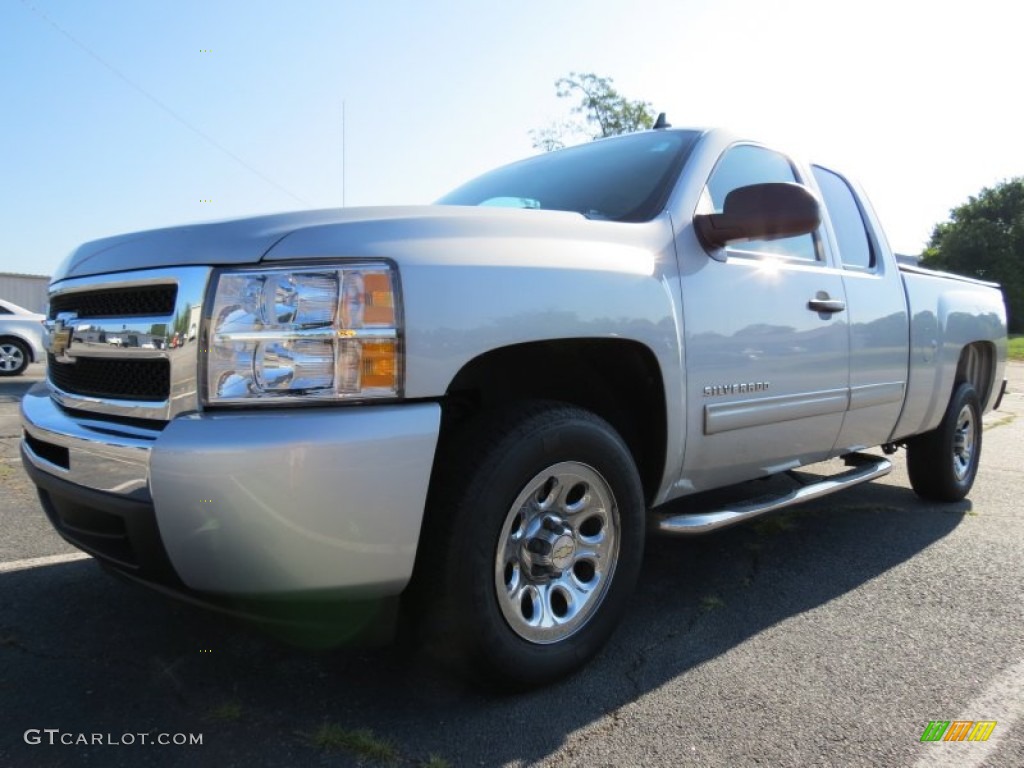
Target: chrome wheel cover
<point x="964" y="440"/>
<point x="557" y="552"/>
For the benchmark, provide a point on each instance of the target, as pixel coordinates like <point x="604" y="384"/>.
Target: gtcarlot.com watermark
<point x="55" y="736"/>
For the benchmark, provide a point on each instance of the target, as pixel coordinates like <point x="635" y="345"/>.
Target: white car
<point x="21" y="338"/>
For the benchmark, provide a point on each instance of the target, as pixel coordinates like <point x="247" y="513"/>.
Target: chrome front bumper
<point x="107" y="457"/>
<point x="263" y="504"/>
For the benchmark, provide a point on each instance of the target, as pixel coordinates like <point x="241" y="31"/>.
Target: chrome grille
<point x="117" y="302"/>
<point x="119" y="379"/>
<point x="127" y="345"/>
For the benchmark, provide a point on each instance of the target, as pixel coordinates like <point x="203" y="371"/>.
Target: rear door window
<point x="855" y="249"/>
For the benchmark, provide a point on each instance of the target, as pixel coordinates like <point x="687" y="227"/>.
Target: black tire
<point x="14" y="357"/>
<point x="944" y="462"/>
<point x="552" y="493"/>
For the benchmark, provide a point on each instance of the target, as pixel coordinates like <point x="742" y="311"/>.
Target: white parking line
<point x="38" y="562"/>
<point x="1003" y="701"/>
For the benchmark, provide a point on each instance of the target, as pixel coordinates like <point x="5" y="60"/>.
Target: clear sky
<point x="119" y="115"/>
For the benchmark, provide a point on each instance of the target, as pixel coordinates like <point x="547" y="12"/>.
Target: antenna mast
<point x="342" y="153"/>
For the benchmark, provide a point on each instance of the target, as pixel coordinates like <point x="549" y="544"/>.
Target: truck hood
<point x="348" y="232"/>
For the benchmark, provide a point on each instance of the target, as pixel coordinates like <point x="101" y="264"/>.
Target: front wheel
<point x="539" y="532"/>
<point x="943" y="463"/>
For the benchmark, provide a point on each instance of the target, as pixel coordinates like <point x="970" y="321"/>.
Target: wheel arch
<point x="617" y="379"/>
<point x="977" y="365"/>
<point x="23" y="341"/>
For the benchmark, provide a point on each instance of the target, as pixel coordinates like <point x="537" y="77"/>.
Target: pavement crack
<point x="9" y="640"/>
<point x="640" y="659"/>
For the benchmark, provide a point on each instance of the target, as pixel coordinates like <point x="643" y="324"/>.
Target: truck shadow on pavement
<point x="86" y="653"/>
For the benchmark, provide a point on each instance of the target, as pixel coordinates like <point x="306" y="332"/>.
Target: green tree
<point x="984" y="238"/>
<point x="604" y="112"/>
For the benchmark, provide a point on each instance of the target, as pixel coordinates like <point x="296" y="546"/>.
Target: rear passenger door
<point x="876" y="312"/>
<point x="766" y="372"/>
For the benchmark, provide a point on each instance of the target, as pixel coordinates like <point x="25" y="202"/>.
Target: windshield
<point x="626" y="178"/>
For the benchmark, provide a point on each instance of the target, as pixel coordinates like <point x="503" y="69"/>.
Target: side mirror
<point x="760" y="212"/>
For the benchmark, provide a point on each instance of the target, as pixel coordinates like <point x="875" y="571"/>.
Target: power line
<point x="161" y="105"/>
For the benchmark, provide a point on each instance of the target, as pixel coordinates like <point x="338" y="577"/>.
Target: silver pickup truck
<point x="477" y="410"/>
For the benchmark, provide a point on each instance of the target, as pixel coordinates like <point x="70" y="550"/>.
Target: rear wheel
<point x="536" y="542"/>
<point x="944" y="462"/>
<point x="14" y="357"/>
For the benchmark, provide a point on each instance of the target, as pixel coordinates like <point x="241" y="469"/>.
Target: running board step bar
<point x="865" y="467"/>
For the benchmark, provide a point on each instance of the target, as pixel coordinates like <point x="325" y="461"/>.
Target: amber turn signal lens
<point x="380" y="303"/>
<point x="379" y="364"/>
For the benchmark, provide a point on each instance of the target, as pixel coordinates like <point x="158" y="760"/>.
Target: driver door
<point x="767" y="374"/>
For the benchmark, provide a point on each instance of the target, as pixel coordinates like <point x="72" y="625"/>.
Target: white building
<point x="28" y="291"/>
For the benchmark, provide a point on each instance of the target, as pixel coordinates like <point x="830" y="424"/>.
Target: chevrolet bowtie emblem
<point x="60" y="340"/>
<point x="562" y="552"/>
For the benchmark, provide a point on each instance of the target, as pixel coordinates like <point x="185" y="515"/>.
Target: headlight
<point x="304" y="333"/>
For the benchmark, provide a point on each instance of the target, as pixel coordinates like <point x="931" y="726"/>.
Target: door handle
<point x="822" y="303"/>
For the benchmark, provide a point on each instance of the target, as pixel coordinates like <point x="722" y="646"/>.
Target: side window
<point x="854" y="245"/>
<point x="5" y="311"/>
<point x="743" y="165"/>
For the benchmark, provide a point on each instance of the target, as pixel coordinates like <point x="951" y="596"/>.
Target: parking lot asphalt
<point x="829" y="635"/>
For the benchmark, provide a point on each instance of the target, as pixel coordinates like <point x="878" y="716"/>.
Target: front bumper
<point x="319" y="502"/>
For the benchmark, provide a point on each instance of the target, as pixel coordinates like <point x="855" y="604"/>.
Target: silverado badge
<point x="717" y="390"/>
